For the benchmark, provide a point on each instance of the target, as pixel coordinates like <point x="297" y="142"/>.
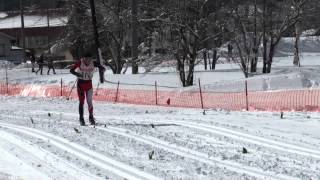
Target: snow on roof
<point x="3" y="15"/>
<point x="309" y="32"/>
<point x="32" y="21"/>
<point x="16" y="48"/>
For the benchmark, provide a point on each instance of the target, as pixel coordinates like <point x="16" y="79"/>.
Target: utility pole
<point x="22" y="32"/>
<point x="48" y="26"/>
<point x="96" y="38"/>
<point x="296" y="59"/>
<point x="134" y="49"/>
<point x="264" y="38"/>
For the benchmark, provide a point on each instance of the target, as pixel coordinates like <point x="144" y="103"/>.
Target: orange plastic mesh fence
<point x="285" y="100"/>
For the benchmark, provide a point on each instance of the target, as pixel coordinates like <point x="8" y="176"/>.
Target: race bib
<point x="87" y="75"/>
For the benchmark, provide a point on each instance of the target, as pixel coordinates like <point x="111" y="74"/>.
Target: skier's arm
<point x="73" y="69"/>
<point x="98" y="65"/>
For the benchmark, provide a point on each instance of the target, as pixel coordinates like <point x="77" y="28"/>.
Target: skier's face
<point x="86" y="60"/>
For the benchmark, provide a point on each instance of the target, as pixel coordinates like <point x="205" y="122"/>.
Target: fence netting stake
<point x="246" y="89"/>
<point x="201" y="98"/>
<point x="7" y="81"/>
<point x="156" y="91"/>
<point x="61" y="87"/>
<point x="117" y="92"/>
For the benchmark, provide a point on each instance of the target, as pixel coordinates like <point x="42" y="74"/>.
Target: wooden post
<point x="7" y="82"/>
<point x="48" y="26"/>
<point x="200" y="94"/>
<point x="156" y="92"/>
<point x="246" y="89"/>
<point x="22" y="32"/>
<point x="117" y="92"/>
<point x="61" y="87"/>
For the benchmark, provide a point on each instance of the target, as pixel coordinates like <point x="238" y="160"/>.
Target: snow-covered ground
<point x="227" y="77"/>
<point x="40" y="138"/>
<point x="182" y="143"/>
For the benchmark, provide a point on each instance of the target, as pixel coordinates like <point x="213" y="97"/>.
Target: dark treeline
<point x="184" y="30"/>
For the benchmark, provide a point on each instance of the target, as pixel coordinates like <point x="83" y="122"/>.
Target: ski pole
<point x="97" y="89"/>
<point x="72" y="89"/>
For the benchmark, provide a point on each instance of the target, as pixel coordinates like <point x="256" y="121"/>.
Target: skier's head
<point x="87" y="58"/>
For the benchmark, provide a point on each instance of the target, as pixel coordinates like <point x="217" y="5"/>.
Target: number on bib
<point x="87" y="75"/>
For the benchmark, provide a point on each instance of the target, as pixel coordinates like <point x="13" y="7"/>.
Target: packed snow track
<point x="44" y="138"/>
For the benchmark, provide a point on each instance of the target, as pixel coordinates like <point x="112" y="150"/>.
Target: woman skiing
<point x="84" y="69"/>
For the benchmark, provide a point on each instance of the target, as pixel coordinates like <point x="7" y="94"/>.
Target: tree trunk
<point x="209" y="61"/>
<point x="214" y="59"/>
<point x="204" y="54"/>
<point x="254" y="61"/>
<point x="134" y="22"/>
<point x="190" y="72"/>
<point x="96" y="39"/>
<point x="271" y="54"/>
<point x="264" y="38"/>
<point x="150" y="44"/>
<point x="180" y="67"/>
<point x="118" y="60"/>
<point x="255" y="49"/>
<point x="296" y="60"/>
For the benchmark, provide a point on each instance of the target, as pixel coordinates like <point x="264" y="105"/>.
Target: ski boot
<point x="92" y="120"/>
<point x="82" y="123"/>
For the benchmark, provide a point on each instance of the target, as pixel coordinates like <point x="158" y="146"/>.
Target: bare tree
<point x="246" y="38"/>
<point x="191" y="24"/>
<point x="77" y="36"/>
<point x="295" y="7"/>
<point x="115" y="21"/>
<point x="279" y="17"/>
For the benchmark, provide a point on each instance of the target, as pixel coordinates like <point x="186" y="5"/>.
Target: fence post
<point x="246" y="89"/>
<point x="117" y="92"/>
<point x="156" y="91"/>
<point x="7" y="81"/>
<point x="200" y="94"/>
<point x="61" y="87"/>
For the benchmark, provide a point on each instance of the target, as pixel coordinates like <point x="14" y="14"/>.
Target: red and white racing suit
<point x="84" y="73"/>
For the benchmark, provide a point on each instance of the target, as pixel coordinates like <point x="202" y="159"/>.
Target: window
<point x="36" y="41"/>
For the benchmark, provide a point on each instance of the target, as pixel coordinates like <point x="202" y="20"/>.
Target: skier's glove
<point x="78" y="75"/>
<point x="101" y="68"/>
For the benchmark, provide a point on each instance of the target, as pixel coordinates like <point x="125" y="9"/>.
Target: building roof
<point x="30" y="21"/>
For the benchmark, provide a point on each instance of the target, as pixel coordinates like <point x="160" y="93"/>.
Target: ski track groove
<point x="46" y="159"/>
<point x="27" y="171"/>
<point x="198" y="156"/>
<point x="100" y="160"/>
<point x="286" y="147"/>
<point x="278" y="145"/>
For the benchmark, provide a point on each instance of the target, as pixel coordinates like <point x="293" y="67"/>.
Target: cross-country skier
<point x="84" y="70"/>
